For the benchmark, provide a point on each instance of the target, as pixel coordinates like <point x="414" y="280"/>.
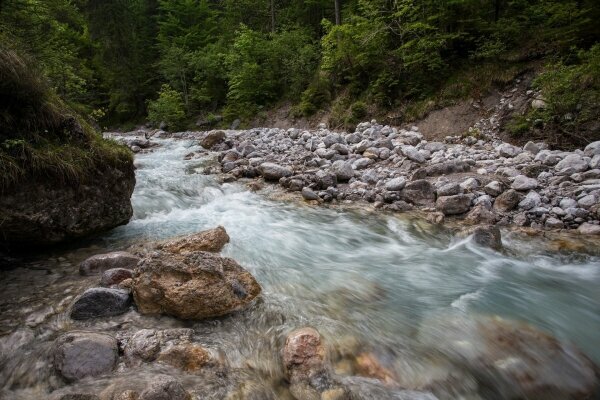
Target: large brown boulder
<point x="192" y="285"/>
<point x="211" y="240"/>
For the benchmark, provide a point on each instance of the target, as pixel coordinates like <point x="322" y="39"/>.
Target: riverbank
<point x="476" y="179"/>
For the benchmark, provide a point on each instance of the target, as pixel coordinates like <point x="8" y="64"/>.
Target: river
<point x="374" y="277"/>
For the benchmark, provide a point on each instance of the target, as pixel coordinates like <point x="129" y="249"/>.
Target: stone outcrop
<point x="43" y="213"/>
<point x="192" y="285"/>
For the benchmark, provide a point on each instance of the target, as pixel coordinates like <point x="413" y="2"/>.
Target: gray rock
<point x="165" y="388"/>
<point x="568" y="203"/>
<point x="434" y="146"/>
<point x="81" y="354"/>
<point x="531" y="147"/>
<point x="538" y="104"/>
<point x="396" y="184"/>
<point x="102" y="262"/>
<point x="308" y="194"/>
<point x="115" y="276"/>
<point x="235" y="124"/>
<point x="587" y="201"/>
<point x="523" y="183"/>
<point x="370" y="177"/>
<point x="325" y="179"/>
<point x="595" y="162"/>
<point x="508" y="150"/>
<point x="589" y="229"/>
<point x="101" y="302"/>
<point x="470" y="184"/>
<point x="530" y="201"/>
<point x="484" y="201"/>
<point x="332" y="139"/>
<point x="449" y="189"/>
<point x="413" y="154"/>
<point x="274" y="172"/>
<point x="419" y="192"/>
<point x="493" y="188"/>
<point x="342" y="170"/>
<point x="554" y="223"/>
<point x="572" y="162"/>
<point x="592" y="149"/>
<point x="362" y="163"/>
<point x="453" y="205"/>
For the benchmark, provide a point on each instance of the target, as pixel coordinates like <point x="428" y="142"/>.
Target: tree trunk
<point x="273" y="16"/>
<point x="338" y="13"/>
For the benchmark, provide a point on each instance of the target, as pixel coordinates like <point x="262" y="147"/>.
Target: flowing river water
<point x="381" y="280"/>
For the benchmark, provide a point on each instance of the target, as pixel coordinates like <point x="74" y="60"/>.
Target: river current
<point x="355" y="275"/>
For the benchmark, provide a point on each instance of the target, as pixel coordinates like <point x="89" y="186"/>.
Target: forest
<point x="176" y="62"/>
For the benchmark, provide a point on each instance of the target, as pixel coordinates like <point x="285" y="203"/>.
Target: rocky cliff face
<point x="45" y="213"/>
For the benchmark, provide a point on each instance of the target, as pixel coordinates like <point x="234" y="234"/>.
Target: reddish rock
<point x="303" y="354"/>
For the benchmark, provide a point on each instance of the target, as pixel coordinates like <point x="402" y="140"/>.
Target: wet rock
<point x="102" y="262"/>
<point x="194" y="285"/>
<point x="187" y="357"/>
<point x="589" y="229"/>
<point x="481" y="215"/>
<point x="274" y="172"/>
<point x="212" y="138"/>
<point x="507" y="201"/>
<point x="554" y="223"/>
<point x="487" y="236"/>
<point x="309" y="194"/>
<point x="419" y="192"/>
<point x="453" y="205"/>
<point x="145" y="345"/>
<point x="115" y="276"/>
<point x="81" y="354"/>
<point x="523" y="183"/>
<point x="76" y="396"/>
<point x="396" y="184"/>
<point x="101" y="302"/>
<point x="512" y="359"/>
<point x="303" y="354"/>
<point x="212" y="240"/>
<point x="127" y="395"/>
<point x="165" y="388"/>
<point x="369" y="366"/>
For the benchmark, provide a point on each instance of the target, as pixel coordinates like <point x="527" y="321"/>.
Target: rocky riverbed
<point x="213" y="291"/>
<point x="474" y="178"/>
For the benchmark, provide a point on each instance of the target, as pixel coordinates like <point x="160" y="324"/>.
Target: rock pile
<point x="482" y="179"/>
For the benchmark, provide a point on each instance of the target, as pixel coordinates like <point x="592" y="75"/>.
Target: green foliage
<point x="316" y="96"/>
<point x="168" y="108"/>
<point x="572" y="95"/>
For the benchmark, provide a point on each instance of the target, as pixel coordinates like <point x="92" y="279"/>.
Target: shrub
<point x="168" y="108"/>
<point x="316" y="96"/>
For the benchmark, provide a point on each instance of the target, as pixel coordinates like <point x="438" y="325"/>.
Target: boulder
<point x="493" y="188"/>
<point x="42" y="212"/>
<point x="101" y="302"/>
<point x="77" y="355"/>
<point x="212" y="138"/>
<point x="274" y="172"/>
<point x="212" y="240"/>
<point x="508" y="150"/>
<point x="309" y="194"/>
<point x="303" y="354"/>
<point x="512" y="359"/>
<point x="103" y="262"/>
<point x="530" y="201"/>
<point x="396" y="184"/>
<point x="523" y="183"/>
<point x="452" y="205"/>
<point x="419" y="192"/>
<point x="342" y="170"/>
<point x="449" y="189"/>
<point x="592" y="149"/>
<point x="147" y="344"/>
<point x="115" y="276"/>
<point x="192" y="285"/>
<point x="165" y="388"/>
<point x="572" y="163"/>
<point x="589" y="229"/>
<point x="487" y="236"/>
<point x="480" y="215"/>
<point x="413" y="154"/>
